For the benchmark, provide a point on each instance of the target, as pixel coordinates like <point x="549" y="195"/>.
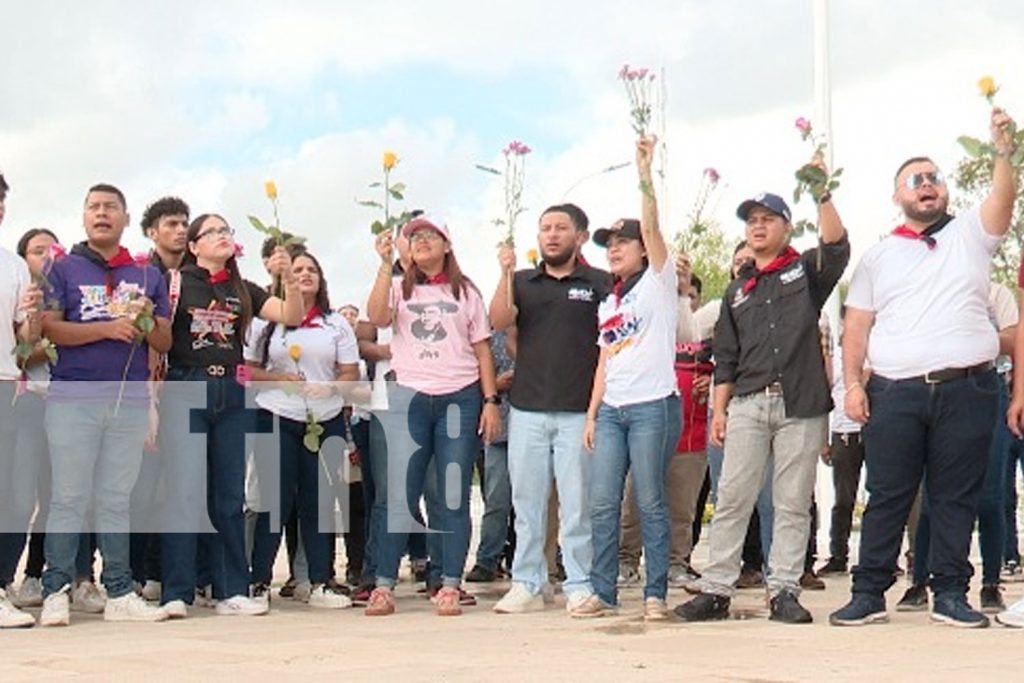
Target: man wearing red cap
<point x="771" y="400"/>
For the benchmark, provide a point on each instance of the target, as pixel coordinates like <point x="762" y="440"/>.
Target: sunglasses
<point x="222" y="231"/>
<point x="916" y="180"/>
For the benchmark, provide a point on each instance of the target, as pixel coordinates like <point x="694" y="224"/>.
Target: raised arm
<point x="503" y="312"/>
<point x="997" y="209"/>
<point x="650" y="230"/>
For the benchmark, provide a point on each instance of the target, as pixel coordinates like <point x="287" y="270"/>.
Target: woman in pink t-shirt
<point x="441" y="358"/>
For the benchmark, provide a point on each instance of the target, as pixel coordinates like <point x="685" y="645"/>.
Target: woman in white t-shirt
<point x="444" y="399"/>
<point x="297" y="370"/>
<point x="634" y="418"/>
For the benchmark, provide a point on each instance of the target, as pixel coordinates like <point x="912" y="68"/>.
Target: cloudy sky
<point x="209" y="99"/>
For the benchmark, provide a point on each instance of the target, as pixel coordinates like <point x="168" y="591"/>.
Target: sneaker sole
<point x="1009" y="624"/>
<point x="55" y="623"/>
<point x="316" y="605"/>
<point x="536" y="606"/>
<point x="912" y="608"/>
<point x="120" y="618"/>
<point x="27" y="624"/>
<point x="874" y="618"/>
<point x="711" y="617"/>
<point x="949" y="621"/>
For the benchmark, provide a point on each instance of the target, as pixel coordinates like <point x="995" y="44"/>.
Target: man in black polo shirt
<point x="554" y="308"/>
<point x="771" y="399"/>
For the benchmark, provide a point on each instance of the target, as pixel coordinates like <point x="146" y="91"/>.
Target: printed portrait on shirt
<point x="99" y="304"/>
<point x="619" y="331"/>
<point x="428" y="329"/>
<point x="215" y="324"/>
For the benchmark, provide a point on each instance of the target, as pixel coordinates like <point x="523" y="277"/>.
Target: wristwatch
<point x="496" y="400"/>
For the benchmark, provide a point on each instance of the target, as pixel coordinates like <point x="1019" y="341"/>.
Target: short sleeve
<point x="24" y="279"/>
<point x="479" y="327"/>
<point x="158" y="292"/>
<point x="259" y="297"/>
<point x="54" y="290"/>
<point x="861" y="292"/>
<point x="346" y="350"/>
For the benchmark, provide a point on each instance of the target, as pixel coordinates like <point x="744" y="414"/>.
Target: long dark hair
<point x="234" y="276"/>
<point x="30" y="234"/>
<point x="323" y="302"/>
<point x="459" y="282"/>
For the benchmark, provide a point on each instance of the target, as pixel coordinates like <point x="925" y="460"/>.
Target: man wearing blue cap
<point x="771" y="399"/>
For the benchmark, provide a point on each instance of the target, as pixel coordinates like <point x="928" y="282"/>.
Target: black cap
<point x="627" y="227"/>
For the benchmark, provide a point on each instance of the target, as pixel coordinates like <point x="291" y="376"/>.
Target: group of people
<point x="599" y="403"/>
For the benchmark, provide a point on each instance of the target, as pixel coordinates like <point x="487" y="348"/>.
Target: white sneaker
<point x="56" y="608"/>
<point x="176" y="609"/>
<point x="327" y="598"/>
<point x="242" y="606"/>
<point x="628" y="575"/>
<point x="11" y="616"/>
<point x="681" y="576"/>
<point x="303" y="590"/>
<point x="30" y="594"/>
<point x="151" y="591"/>
<point x="1013" y="616"/>
<point x="86" y="597"/>
<point x="519" y="600"/>
<point x="204" y="597"/>
<point x="130" y="607"/>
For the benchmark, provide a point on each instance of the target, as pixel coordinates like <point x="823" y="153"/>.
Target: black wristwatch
<point x="496" y="400"/>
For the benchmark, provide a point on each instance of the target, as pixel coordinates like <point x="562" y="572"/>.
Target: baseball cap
<point x="424" y="222"/>
<point x="772" y="202"/>
<point x="628" y="228"/>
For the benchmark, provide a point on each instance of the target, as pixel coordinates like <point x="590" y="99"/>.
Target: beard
<point x="927" y="217"/>
<point x="560" y="258"/>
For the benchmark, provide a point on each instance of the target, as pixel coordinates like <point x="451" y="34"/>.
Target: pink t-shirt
<point x="432" y="347"/>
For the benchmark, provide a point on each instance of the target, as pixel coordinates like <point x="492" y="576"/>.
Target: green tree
<point x="710" y="255"/>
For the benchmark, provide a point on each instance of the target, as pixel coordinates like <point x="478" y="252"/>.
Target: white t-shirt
<point x="322" y="349"/>
<point x="706" y="317"/>
<point x="14" y="280"/>
<point x="930" y="305"/>
<point x="640" y="336"/>
<point x="1005" y="313"/>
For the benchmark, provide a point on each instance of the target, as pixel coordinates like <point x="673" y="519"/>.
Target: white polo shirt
<point x="931" y="306"/>
<point x="14" y="280"/>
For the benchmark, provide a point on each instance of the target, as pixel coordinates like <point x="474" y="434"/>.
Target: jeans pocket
<point x="986" y="384"/>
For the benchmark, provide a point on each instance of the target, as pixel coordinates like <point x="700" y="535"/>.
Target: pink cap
<point x="426" y="223"/>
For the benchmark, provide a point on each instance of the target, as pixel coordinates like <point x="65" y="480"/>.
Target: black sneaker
<point x="992" y="600"/>
<point x="704" y="607"/>
<point x="914" y="600"/>
<point x="833" y="566"/>
<point x="952" y="609"/>
<point x="480" y="574"/>
<point x="787" y="609"/>
<point x="862" y="609"/>
<point x="288" y="589"/>
<point x="261" y="591"/>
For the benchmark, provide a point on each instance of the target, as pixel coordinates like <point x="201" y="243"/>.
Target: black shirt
<point x="556" y="347"/>
<point x="771" y="334"/>
<point x="205" y="326"/>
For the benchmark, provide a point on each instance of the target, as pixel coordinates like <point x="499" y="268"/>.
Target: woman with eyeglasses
<point x="442" y="361"/>
<point x="296" y="368"/>
<point x="203" y="415"/>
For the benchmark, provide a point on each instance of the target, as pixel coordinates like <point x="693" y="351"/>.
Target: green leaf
<point x="258" y="224"/>
<point x="23" y="349"/>
<point x="833" y="185"/>
<point x="370" y="203"/>
<point x="145" y="323"/>
<point x="376" y="184"/>
<point x="377" y="227"/>
<point x="972" y="146"/>
<point x="796" y="194"/>
<point x="395" y="194"/>
<point x="487" y="169"/>
<point x="836" y="173"/>
<point x="51" y="354"/>
<point x="398" y="187"/>
<point x="294" y="240"/>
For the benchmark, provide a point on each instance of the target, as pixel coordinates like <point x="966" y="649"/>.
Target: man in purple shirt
<point x="105" y="311"/>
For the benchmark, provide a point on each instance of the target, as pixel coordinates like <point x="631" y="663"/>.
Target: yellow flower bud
<point x="987" y="86"/>
<point x="270" y="187"/>
<point x="295" y="352"/>
<point x="532" y="256"/>
<point x="390" y="159"/>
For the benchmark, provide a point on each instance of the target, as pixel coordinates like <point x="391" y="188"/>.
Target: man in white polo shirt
<point x="917" y="309"/>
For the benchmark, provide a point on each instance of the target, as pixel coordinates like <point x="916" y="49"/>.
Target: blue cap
<point x="772" y="202"/>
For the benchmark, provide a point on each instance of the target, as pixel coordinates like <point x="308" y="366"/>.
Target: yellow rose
<point x="987" y="86"/>
<point x="270" y="187"/>
<point x="532" y="256"/>
<point x="390" y="159"/>
<point x="295" y="352"/>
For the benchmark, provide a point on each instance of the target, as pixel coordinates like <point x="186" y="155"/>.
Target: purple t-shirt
<point x="82" y="289"/>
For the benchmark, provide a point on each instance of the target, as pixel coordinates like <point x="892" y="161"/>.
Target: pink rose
<point x="803" y="125"/>
<point x="712" y="175"/>
<point x="624" y="71"/>
<point x="56" y="252"/>
<point x="239" y="250"/>
<point x="642" y="73"/>
<point x="141" y="259"/>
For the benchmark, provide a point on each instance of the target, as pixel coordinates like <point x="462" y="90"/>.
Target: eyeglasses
<point x="222" y="231"/>
<point x="916" y="180"/>
<point x="425" y="236"/>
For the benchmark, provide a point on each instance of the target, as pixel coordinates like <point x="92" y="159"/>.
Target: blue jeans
<point x="541" y="444"/>
<point x="306" y="485"/>
<point x="437" y="434"/>
<point x="640" y="438"/>
<point x="22" y="454"/>
<point x="203" y="424"/>
<point x="497" y="492"/>
<point x="934" y="431"/>
<point x="95" y="458"/>
<point x="991" y="513"/>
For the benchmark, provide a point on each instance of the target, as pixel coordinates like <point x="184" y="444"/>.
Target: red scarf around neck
<point x="220" y="276"/>
<point x="311" y="315"/>
<point x="909" y="233"/>
<point x="786" y="257"/>
<point x="439" y="279"/>
<point x="122" y="258"/>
